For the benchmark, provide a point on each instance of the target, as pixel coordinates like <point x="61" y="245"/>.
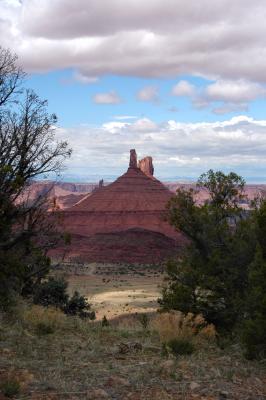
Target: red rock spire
<point x="146" y="166"/>
<point x="133" y="163"/>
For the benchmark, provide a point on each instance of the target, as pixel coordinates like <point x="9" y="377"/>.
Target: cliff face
<point x="128" y="246"/>
<point x="146" y="166"/>
<point x="63" y="194"/>
<point x="135" y="201"/>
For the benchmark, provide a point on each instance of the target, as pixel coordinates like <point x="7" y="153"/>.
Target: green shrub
<point x="254" y="327"/>
<point x="180" y="346"/>
<point x="105" y="322"/>
<point x="44" y="328"/>
<point x="51" y="293"/>
<point x="254" y="339"/>
<point x="144" y="320"/>
<point x="54" y="293"/>
<point x="91" y="315"/>
<point x="10" y="388"/>
<point x="77" y="305"/>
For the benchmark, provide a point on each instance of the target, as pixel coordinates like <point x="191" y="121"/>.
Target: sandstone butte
<point x="122" y="222"/>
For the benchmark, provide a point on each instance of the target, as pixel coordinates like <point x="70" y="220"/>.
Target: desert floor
<point x="118" y="290"/>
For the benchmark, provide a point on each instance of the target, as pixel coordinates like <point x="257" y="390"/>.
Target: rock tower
<point x="124" y="221"/>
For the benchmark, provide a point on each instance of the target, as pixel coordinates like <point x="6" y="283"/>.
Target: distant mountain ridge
<point x="66" y="194"/>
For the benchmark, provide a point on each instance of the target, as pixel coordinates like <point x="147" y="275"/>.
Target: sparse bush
<point x="144" y="320"/>
<point x="91" y="315"/>
<point x="53" y="292"/>
<point x="42" y="320"/>
<point x="105" y="322"/>
<point x="44" y="328"/>
<point x="127" y="323"/>
<point x="176" y="325"/>
<point x="77" y="305"/>
<point x="180" y="347"/>
<point x="10" y="387"/>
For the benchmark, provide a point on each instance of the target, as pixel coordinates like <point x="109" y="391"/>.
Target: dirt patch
<point x="113" y="295"/>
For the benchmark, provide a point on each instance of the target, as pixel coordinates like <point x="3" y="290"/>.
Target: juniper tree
<point x="28" y="149"/>
<point x="254" y="326"/>
<point x="211" y="277"/>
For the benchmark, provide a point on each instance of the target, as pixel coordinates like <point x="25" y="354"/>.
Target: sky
<point x="182" y="81"/>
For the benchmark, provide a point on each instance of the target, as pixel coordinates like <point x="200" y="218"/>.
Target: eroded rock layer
<point x="146" y="166"/>
<point x="131" y="246"/>
<point x="134" y="201"/>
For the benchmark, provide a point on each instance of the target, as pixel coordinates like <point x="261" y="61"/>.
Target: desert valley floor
<point x="115" y="290"/>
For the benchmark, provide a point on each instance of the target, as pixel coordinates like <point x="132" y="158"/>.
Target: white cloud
<point x="179" y="149"/>
<point x="113" y="126"/>
<point x="239" y="91"/>
<point x="183" y="88"/>
<point x="230" y="107"/>
<point x="215" y="39"/>
<point x="232" y="95"/>
<point x="124" y="117"/>
<point x="86" y="80"/>
<point x="143" y="125"/>
<point x="107" y="98"/>
<point x="148" y="93"/>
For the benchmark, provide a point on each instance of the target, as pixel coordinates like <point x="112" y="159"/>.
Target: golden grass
<point x="175" y="324"/>
<point x="81" y="356"/>
<point x="12" y="381"/>
<point x="43" y="320"/>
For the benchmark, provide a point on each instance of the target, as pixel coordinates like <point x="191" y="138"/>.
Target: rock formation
<point x="146" y="166"/>
<point x="125" y="216"/>
<point x="133" y="159"/>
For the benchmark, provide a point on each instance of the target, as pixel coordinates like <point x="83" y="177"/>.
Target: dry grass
<point x="124" y="360"/>
<point x="42" y="320"/>
<point x="176" y="325"/>
<point x="13" y="381"/>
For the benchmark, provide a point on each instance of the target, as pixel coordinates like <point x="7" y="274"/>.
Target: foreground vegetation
<point x="28" y="149"/>
<point x="48" y="355"/>
<point x="222" y="273"/>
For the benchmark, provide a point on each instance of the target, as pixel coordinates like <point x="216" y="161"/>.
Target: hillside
<point x="55" y="357"/>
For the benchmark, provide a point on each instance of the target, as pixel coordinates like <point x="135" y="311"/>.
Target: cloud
<point x="239" y="91"/>
<point x="148" y="93"/>
<point x="136" y="38"/>
<point x="230" y="107"/>
<point x="183" y="88"/>
<point x="143" y="125"/>
<point x="124" y="117"/>
<point x="232" y="95"/>
<point x="107" y="98"/>
<point x="178" y="149"/>
<point x="173" y="109"/>
<point x="85" y="80"/>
